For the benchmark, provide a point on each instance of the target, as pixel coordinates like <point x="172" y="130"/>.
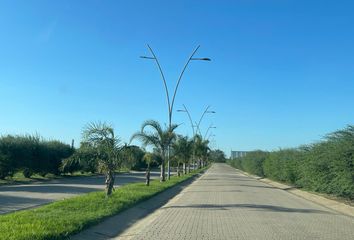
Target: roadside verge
<point x="113" y="226"/>
<point x="62" y="219"/>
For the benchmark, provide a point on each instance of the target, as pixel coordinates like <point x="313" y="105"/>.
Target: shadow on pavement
<point x="259" y="207"/>
<point x="227" y="191"/>
<point x="233" y="185"/>
<point x="228" y="179"/>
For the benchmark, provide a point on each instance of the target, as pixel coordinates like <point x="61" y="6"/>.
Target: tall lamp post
<point x="211" y="135"/>
<point x="170" y="102"/>
<point x="206" y="133"/>
<point x="189" y="116"/>
<point x="195" y="131"/>
<point x="201" y="118"/>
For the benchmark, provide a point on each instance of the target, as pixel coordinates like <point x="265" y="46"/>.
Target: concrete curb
<point x="328" y="203"/>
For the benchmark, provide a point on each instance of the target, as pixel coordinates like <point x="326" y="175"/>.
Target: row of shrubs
<point x="32" y="155"/>
<point x="326" y="166"/>
<point x="84" y="160"/>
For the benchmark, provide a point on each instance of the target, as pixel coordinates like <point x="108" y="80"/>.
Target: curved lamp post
<point x="197" y="125"/>
<point x="170" y="102"/>
<point x="206" y="133"/>
<point x="201" y="118"/>
<point x="189" y="116"/>
<point x="211" y="135"/>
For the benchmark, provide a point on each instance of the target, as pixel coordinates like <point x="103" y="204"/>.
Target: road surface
<point x="22" y="196"/>
<point x="225" y="204"/>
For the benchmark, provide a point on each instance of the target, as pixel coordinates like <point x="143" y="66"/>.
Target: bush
<point x="84" y="159"/>
<point x="6" y="166"/>
<point x="326" y="166"/>
<point x="282" y="165"/>
<point x="27" y="173"/>
<point x="252" y="162"/>
<point x="31" y="155"/>
<point x="329" y="165"/>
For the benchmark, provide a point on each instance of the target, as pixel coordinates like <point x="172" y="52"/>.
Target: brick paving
<point x="225" y="204"/>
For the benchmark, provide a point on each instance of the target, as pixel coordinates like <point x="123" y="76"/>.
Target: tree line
<point x="326" y="166"/>
<point x="32" y="155"/>
<point x="102" y="151"/>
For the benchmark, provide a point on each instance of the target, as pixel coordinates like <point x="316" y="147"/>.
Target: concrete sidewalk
<point x="225" y="204"/>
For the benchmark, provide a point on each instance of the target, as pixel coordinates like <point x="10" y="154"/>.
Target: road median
<point x="62" y="219"/>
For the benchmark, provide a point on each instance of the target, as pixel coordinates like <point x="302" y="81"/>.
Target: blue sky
<point x="281" y="73"/>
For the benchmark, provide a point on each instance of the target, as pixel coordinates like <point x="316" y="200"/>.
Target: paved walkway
<point x="22" y="196"/>
<point x="225" y="204"/>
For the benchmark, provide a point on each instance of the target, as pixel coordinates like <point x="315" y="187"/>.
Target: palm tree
<point x="201" y="149"/>
<point x="149" y="159"/>
<point x="100" y="137"/>
<point x="182" y="149"/>
<point x="159" y="138"/>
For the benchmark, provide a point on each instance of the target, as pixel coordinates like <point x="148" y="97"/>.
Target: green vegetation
<point x="159" y="138"/>
<point x="61" y="219"/>
<point x="32" y="158"/>
<point x="201" y="150"/>
<point x="100" y="151"/>
<point x="182" y="149"/>
<point x="31" y="155"/>
<point x="106" y="147"/>
<point x="217" y="156"/>
<point x="134" y="158"/>
<point x="326" y="166"/>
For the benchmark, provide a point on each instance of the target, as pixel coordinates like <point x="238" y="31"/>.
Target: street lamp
<point x="201" y="118"/>
<point x="170" y="102"/>
<point x="196" y="125"/>
<point x="211" y="135"/>
<point x="189" y="116"/>
<point x="206" y="133"/>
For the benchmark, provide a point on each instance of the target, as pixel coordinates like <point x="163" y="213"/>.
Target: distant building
<point x="237" y="154"/>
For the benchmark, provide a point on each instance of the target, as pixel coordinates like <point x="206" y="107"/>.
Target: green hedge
<point x="252" y="162"/>
<point x="326" y="166"/>
<point x="31" y="154"/>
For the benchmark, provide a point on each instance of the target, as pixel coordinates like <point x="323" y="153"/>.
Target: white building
<point x="237" y="154"/>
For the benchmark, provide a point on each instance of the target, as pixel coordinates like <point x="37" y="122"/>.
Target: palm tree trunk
<point x="162" y="175"/>
<point x="109" y="182"/>
<point x="184" y="168"/>
<point x="178" y="169"/>
<point x="168" y="163"/>
<point x="147" y="176"/>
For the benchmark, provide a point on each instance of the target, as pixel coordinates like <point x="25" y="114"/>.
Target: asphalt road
<point x="225" y="204"/>
<point x="17" y="197"/>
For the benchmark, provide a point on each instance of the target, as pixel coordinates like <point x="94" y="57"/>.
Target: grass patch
<point x="19" y="178"/>
<point x="61" y="219"/>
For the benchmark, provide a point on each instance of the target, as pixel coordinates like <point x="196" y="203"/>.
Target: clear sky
<point x="281" y="73"/>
